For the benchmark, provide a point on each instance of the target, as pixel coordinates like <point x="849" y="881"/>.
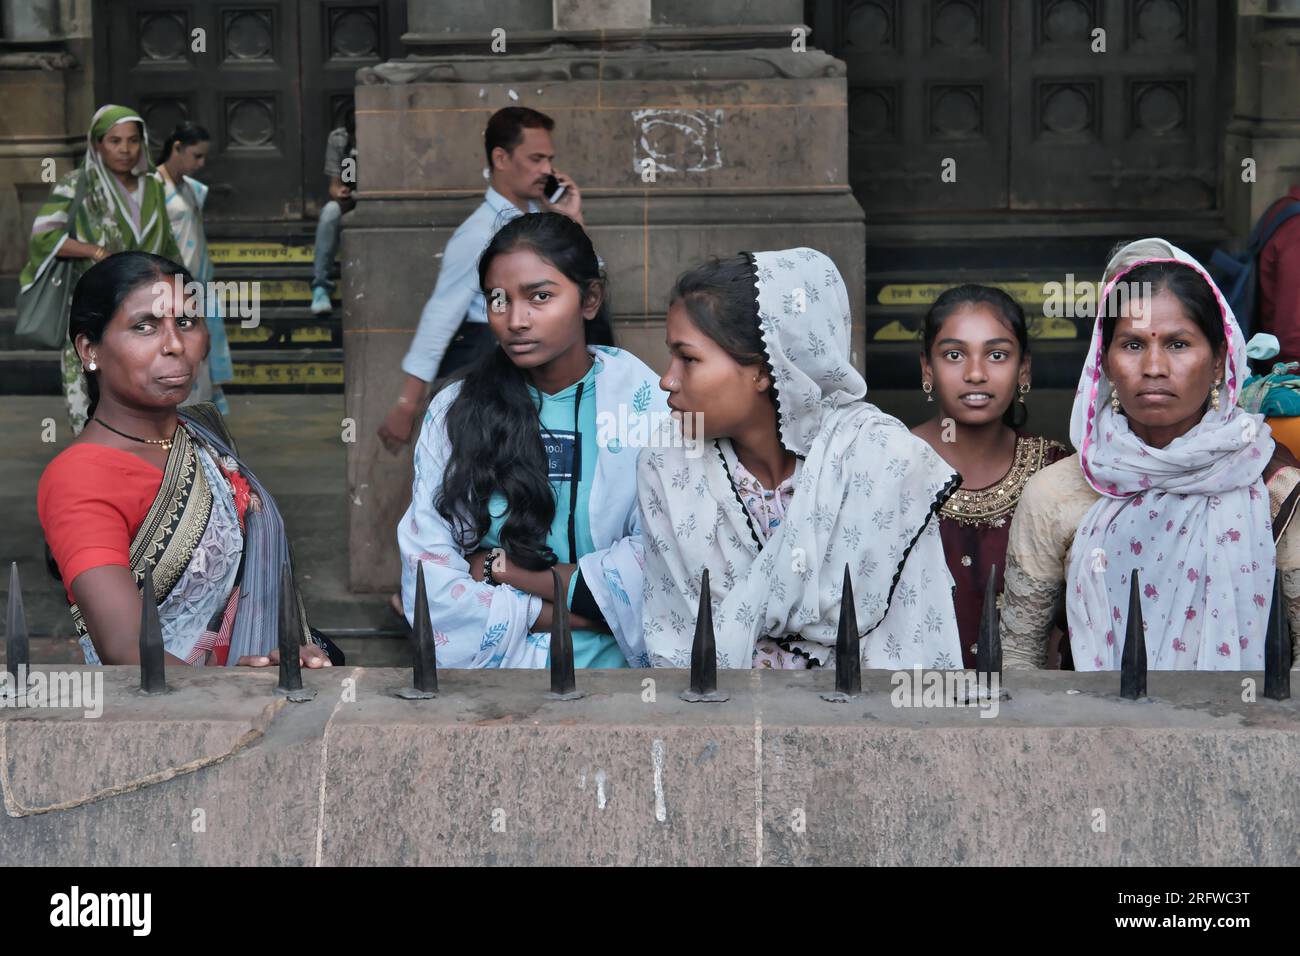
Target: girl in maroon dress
<point x="975" y="366"/>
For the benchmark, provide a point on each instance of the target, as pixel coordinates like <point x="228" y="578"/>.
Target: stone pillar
<point x="745" y="131"/>
<point x="45" y="85"/>
<point x="1265" y="125"/>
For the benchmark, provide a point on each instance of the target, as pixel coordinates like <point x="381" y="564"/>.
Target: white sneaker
<point x="320" y="301"/>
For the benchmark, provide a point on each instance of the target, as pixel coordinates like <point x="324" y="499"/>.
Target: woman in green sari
<point x="123" y="210"/>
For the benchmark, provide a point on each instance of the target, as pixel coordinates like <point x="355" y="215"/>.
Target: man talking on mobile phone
<point x="453" y="329"/>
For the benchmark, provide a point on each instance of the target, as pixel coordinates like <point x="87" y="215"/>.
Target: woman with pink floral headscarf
<point x="1172" y="480"/>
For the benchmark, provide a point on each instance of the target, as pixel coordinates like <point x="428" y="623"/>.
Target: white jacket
<point x="480" y="625"/>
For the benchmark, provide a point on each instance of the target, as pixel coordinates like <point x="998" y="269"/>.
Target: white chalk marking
<point x="758" y="773"/>
<point x="657" y="759"/>
<point x="324" y="757"/>
<point x="600" y="790"/>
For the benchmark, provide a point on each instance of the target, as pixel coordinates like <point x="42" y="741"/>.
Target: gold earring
<point x="1214" y="395"/>
<point x="92" y="366"/>
<point x="1114" y="403"/>
<point x="927" y="388"/>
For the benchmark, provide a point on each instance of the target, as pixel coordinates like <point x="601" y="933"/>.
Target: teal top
<point x="556" y="413"/>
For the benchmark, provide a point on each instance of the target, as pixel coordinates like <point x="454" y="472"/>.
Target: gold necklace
<point x="166" y="443"/>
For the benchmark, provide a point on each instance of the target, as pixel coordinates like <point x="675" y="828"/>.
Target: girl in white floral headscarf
<point x="796" y="477"/>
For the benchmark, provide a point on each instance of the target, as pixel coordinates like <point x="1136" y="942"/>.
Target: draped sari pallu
<point x="216" y="584"/>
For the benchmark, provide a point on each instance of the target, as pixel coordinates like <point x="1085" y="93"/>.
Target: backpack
<point x="1237" y="273"/>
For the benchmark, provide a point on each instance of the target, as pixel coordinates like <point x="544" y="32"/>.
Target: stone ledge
<point x="562" y="62"/>
<point x="1192" y="776"/>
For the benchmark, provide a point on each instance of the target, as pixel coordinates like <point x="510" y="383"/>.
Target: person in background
<point x="1279" y="281"/>
<point x="341" y="168"/>
<point x="123" y="209"/>
<point x="453" y="329"/>
<point x="184" y="154"/>
<point x="976" y="361"/>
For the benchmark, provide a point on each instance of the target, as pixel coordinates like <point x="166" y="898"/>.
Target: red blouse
<point x="92" y="500"/>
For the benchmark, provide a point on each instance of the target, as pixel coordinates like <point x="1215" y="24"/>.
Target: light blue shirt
<point x="457" y="296"/>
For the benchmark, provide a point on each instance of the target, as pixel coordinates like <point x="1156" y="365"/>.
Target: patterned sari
<point x="109" y="216"/>
<point x="216" y="582"/>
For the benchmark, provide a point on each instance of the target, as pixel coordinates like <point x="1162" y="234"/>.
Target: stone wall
<point x="46" y="83"/>
<point x="223" y="772"/>
<point x="1265" y="125"/>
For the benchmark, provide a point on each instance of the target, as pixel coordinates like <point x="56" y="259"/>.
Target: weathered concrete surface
<point x="492" y="773"/>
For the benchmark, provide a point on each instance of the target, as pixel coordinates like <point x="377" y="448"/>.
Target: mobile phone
<point x="553" y="190"/>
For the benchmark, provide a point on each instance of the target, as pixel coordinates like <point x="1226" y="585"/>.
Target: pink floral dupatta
<point x="1192" y="517"/>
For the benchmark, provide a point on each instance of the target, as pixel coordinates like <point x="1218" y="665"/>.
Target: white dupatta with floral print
<point x="866" y="497"/>
<point x="1192" y="517"/>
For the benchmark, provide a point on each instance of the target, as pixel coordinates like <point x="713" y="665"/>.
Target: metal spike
<point x="153" y="677"/>
<point x="290" y="641"/>
<point x="16" y="646"/>
<point x="704" y="652"/>
<point x="563" y="684"/>
<point x="848" y="648"/>
<point x="988" y="652"/>
<point x="1133" y="662"/>
<point x="988" y="648"/>
<point x="1277" y="647"/>
<point x="424" y="656"/>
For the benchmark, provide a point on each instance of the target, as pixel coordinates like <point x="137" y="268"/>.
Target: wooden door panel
<point x="242" y="85"/>
<point x="927" y="81"/>
<point x="1134" y="127"/>
<point x="337" y="39"/>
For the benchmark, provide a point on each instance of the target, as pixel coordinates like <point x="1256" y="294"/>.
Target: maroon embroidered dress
<point x="974" y="525"/>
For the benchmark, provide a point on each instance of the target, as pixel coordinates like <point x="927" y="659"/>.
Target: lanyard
<point x="575" y="475"/>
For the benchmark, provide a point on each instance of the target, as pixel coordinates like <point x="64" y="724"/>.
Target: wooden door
<point x="337" y="39"/>
<point x="1134" y="127"/>
<point x="268" y="79"/>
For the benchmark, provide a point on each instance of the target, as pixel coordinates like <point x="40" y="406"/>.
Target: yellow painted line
<point x="258" y="253"/>
<point x="307" y="334"/>
<point x="284" y="290"/>
<point x="896" y="332"/>
<point x="1026" y="293"/>
<point x="286" y="373"/>
<point x="1039" y="328"/>
<point x="1042" y="327"/>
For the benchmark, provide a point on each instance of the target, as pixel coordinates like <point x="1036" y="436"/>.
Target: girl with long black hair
<point x="524" y="464"/>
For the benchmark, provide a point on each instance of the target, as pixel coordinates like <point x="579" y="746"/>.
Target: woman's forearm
<point x="577" y="622"/>
<point x="539" y="583"/>
<point x="76" y="249"/>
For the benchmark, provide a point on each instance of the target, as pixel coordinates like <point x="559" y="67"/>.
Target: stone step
<point x="318" y="369"/>
<point x="279" y="370"/>
<point x="277" y="326"/>
<point x="29" y="372"/>
<point x="261" y="253"/>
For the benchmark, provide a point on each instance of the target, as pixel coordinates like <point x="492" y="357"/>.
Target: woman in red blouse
<point x="144" y="484"/>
